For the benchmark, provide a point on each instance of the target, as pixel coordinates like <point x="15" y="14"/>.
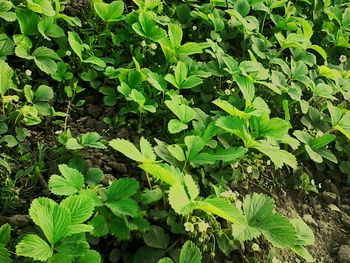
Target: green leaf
<point x="147" y="150"/>
<point x="5" y="234"/>
<point x="110" y="12"/>
<point x="183" y="112"/>
<point x="4" y="255"/>
<point x="157" y="81"/>
<point x="90" y="256"/>
<point x="189" y="48"/>
<point x="162" y="172"/>
<point x="166" y="260"/>
<point x="41" y="6"/>
<point x="127" y="148"/>
<point x="221" y="208"/>
<point x="6" y="45"/>
<point x="34" y="247"/>
<point x="257" y="206"/>
<point x="146" y="27"/>
<point x="94" y="176"/>
<point x="234" y="125"/>
<point x="194" y="145"/>
<point x="179" y="200"/>
<point x="121" y="188"/>
<point x="305" y="236"/>
<point x="191" y="187"/>
<point x="176" y="126"/>
<point x="91" y="139"/>
<point x="80" y="207"/>
<point x="150" y="196"/>
<point x="5" y="77"/>
<point x="277" y="156"/>
<point x="191" y="82"/>
<point x="119" y="228"/>
<point x="44" y="93"/>
<point x="100" y="226"/>
<point x="72" y="144"/>
<point x="48" y="28"/>
<point x="28" y="21"/>
<point x="175" y="35"/>
<point x="5" y="7"/>
<point x="242" y="6"/>
<point x="246" y="87"/>
<point x="313" y="155"/>
<point x="50" y="217"/>
<point x="76" y="44"/>
<point x="156" y="237"/>
<point x="69" y="183"/>
<point x="278" y="230"/>
<point x="190" y="253"/>
<point x="44" y="58"/>
<point x="123" y="206"/>
<point x="95" y="61"/>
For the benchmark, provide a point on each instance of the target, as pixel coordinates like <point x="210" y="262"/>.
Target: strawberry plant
<point x="230" y="104"/>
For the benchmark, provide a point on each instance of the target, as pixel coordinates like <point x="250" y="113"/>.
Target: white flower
<point x="249" y="169"/>
<point x="194" y="28"/>
<point x="268" y="162"/>
<point x="143" y="43"/>
<point x="343" y="59"/>
<point x="203" y="226"/>
<point x="229" y="194"/>
<point x="153" y="46"/>
<point x="219" y="39"/>
<point x="228" y="81"/>
<point x="227" y="91"/>
<point x="256" y="247"/>
<point x="28" y="72"/>
<point x="68" y="53"/>
<point x="189" y="227"/>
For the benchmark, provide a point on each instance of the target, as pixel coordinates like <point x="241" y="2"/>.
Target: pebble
<point x="346" y="220"/>
<point x="344" y="254"/>
<point x="345" y="208"/>
<point x="309" y="220"/>
<point x="329" y="197"/>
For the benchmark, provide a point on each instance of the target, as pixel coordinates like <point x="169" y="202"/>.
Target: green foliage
<point x="227" y="87"/>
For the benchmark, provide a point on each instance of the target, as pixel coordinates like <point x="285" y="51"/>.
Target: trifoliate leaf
<point x="257" y="206"/>
<point x="53" y="219"/>
<point x="109" y="12"/>
<point x="194" y="145"/>
<point x="69" y="183"/>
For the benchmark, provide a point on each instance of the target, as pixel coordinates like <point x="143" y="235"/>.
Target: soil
<point x="327" y="213"/>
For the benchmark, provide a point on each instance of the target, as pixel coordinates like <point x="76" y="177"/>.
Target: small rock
<point x="309" y="220"/>
<point x="107" y="179"/>
<point x="345" y="208"/>
<point x="94" y="110"/>
<point x="334" y="208"/>
<point x="329" y="197"/>
<point x="118" y="167"/>
<point x="333" y="188"/>
<point x="344" y="254"/>
<point x="346" y="220"/>
<point x="90" y="123"/>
